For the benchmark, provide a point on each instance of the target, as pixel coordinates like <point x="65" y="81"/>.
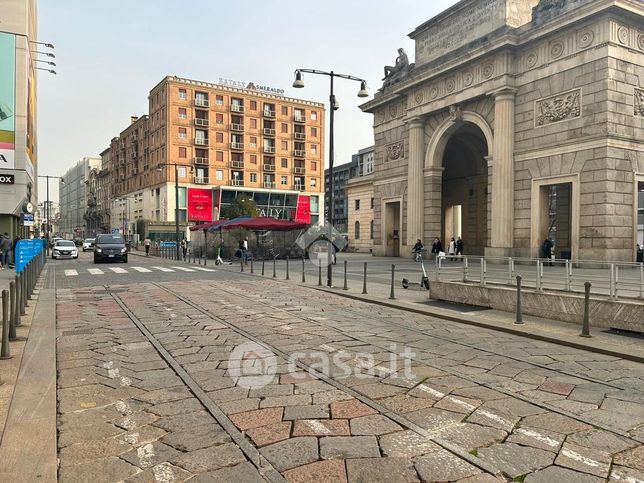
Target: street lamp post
<point x="299" y="83"/>
<point x="48" y="205"/>
<point x="176" y="201"/>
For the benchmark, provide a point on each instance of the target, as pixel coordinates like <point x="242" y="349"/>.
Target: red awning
<point x="266" y="223"/>
<point x="205" y="226"/>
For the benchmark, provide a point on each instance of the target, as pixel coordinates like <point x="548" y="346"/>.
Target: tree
<point x="240" y="207"/>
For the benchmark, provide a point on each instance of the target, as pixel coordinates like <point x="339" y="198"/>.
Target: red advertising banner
<point x="303" y="210"/>
<point x="199" y="204"/>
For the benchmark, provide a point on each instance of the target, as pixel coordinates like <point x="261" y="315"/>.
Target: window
<point x="253" y="141"/>
<point x="219" y="175"/>
<point x="284" y="145"/>
<point x="357" y="232"/>
<point x="371" y="230"/>
<point x="183" y="113"/>
<point x="284" y="110"/>
<point x="219" y="156"/>
<point x="314" y="165"/>
<point x="313" y="182"/>
<point x="371" y="204"/>
<point x="314" y="148"/>
<point x="284" y="128"/>
<point x="284" y="180"/>
<point x="183" y="133"/>
<point x="253" y="123"/>
<point x="219" y="118"/>
<point x="182" y="171"/>
<point x="253" y="159"/>
<point x="253" y="105"/>
<point x="253" y="177"/>
<point x="298" y="114"/>
<point x="357" y="205"/>
<point x="183" y="152"/>
<point x="314" y="132"/>
<point x="183" y="94"/>
<point x="314" y="115"/>
<point x="219" y="100"/>
<point x="284" y="163"/>
<point x="219" y="137"/>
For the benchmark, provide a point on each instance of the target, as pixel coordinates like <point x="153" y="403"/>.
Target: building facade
<point x="18" y="139"/>
<point x="517" y="122"/>
<point x="76" y="197"/>
<point x="360" y="199"/>
<point x="217" y="140"/>
<point x="341" y="175"/>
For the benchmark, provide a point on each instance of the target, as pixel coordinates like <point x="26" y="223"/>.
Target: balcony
<point x="299" y="187"/>
<point x="237" y="127"/>
<point x="299" y="118"/>
<point x="269" y="132"/>
<point x="237" y="182"/>
<point x="201" y="161"/>
<point x="269" y="149"/>
<point x="202" y="122"/>
<point x="201" y="141"/>
<point x="299" y="170"/>
<point x="237" y="108"/>
<point x="268" y="113"/>
<point x="269" y="184"/>
<point x="300" y="135"/>
<point x="237" y="164"/>
<point x="269" y="167"/>
<point x="201" y="180"/>
<point x="299" y="153"/>
<point x="237" y="146"/>
<point x="201" y="102"/>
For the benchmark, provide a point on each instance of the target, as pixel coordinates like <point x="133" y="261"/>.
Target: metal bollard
<point x="262" y="266"/>
<point x="200" y="254"/>
<point x="483" y="270"/>
<point x="641" y="280"/>
<point x="329" y="273"/>
<point x="4" y="352"/>
<point x="303" y="271"/>
<point x="252" y="270"/>
<point x="568" y="275"/>
<point x="510" y="270"/>
<point x="539" y="275"/>
<point x="393" y="272"/>
<point x="274" y="273"/>
<point x="205" y="258"/>
<point x="345" y="286"/>
<point x="12" y="310"/>
<point x="519" y="320"/>
<point x="319" y="274"/>
<point x="17" y="309"/>
<point x="364" y="283"/>
<point x="585" y="328"/>
<point x="465" y="267"/>
<point x="29" y="276"/>
<point x="23" y="297"/>
<point x="287" y="274"/>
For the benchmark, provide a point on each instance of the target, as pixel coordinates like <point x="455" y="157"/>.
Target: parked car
<point x="88" y="244"/>
<point x="53" y="240"/>
<point x="64" y="249"/>
<point x="110" y="247"/>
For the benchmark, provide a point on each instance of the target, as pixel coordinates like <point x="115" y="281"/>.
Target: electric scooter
<point x="424" y="279"/>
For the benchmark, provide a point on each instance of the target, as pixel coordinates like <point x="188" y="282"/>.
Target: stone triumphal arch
<point x="518" y="121"/>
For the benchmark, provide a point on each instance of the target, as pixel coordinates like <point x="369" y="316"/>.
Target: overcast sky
<point x="110" y="54"/>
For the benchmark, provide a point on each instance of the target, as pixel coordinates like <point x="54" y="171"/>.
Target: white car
<point x="64" y="249"/>
<point x="88" y="244"/>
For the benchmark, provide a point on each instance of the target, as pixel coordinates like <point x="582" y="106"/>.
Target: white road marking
<point x="118" y="270"/>
<point x="132" y="438"/>
<point x="582" y="459"/>
<point x="538" y="436"/>
<point x="71" y="273"/>
<point x="430" y="391"/>
<point x="204" y="269"/>
<point x="145" y="454"/>
<point x="95" y="271"/>
<point x="184" y="269"/>
<point x="163" y="269"/>
<point x="163" y="473"/>
<point x="141" y="269"/>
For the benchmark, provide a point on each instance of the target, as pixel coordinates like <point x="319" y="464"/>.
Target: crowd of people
<point x="7" y="250"/>
<point x="454" y="249"/>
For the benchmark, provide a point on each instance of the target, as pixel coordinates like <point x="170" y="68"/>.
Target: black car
<point x="110" y="248"/>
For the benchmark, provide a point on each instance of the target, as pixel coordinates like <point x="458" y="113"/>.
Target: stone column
<point x="503" y="174"/>
<point x="415" y="180"/>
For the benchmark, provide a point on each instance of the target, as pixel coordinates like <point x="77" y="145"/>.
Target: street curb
<point x="631" y="355"/>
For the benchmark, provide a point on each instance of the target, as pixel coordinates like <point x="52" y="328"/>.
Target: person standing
<point x="244" y="250"/>
<point x="5" y="245"/>
<point x="459" y="248"/>
<point x="451" y="249"/>
<point x="147" y="242"/>
<point x="547" y="250"/>
<point x="184" y="248"/>
<point x="437" y="247"/>
<point x="417" y="250"/>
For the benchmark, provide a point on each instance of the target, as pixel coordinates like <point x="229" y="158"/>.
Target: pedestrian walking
<point x="147" y="242"/>
<point x="437" y="247"/>
<point x="459" y="248"/>
<point x="243" y="247"/>
<point x="184" y="248"/>
<point x="5" y="246"/>
<point x="547" y="250"/>
<point x="451" y="249"/>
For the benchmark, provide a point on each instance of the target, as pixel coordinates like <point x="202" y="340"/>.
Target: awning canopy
<point x="267" y="223"/>
<point x="206" y="226"/>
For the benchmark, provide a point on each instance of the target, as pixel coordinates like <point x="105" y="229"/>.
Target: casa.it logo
<point x="321" y="242"/>
<point x="252" y="365"/>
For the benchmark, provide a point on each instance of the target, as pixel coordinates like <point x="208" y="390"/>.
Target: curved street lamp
<point x="299" y="83"/>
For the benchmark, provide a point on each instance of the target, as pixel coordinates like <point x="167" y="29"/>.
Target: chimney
<point x="133" y="119"/>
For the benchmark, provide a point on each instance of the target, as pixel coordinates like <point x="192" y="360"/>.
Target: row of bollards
<point x="16" y="300"/>
<point x="585" y="326"/>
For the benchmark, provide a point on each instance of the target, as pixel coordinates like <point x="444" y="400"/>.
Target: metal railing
<point x="236" y="127"/>
<point x="237" y="164"/>
<point x="202" y="122"/>
<point x="299" y="135"/>
<point x="269" y="113"/>
<point x="237" y="108"/>
<point x="269" y="167"/>
<point x="236" y="145"/>
<point x="269" y="131"/>
<point x="299" y="153"/>
<point x="269" y="149"/>
<point x="201" y="141"/>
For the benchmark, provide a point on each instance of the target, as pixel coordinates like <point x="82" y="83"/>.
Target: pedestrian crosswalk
<point x="123" y="270"/>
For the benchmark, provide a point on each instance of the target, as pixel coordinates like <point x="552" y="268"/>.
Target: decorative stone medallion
<point x="622" y="35"/>
<point x="418" y="97"/>
<point x="586" y="39"/>
<point x="468" y="78"/>
<point x="488" y="70"/>
<point x="531" y="59"/>
<point x="640" y="42"/>
<point x="396" y="150"/>
<point x="433" y="93"/>
<point x="393" y="111"/>
<point x="381" y="116"/>
<point x="450" y="84"/>
<point x="557" y="108"/>
<point x="639" y="102"/>
<point x="556" y="49"/>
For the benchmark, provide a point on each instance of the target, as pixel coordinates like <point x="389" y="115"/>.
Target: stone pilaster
<point x="502" y="232"/>
<point x="415" y="180"/>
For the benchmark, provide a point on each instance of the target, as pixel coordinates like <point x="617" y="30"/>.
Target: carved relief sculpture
<point x="558" y="108"/>
<point x="639" y="102"/>
<point x="455" y="113"/>
<point x="395" y="73"/>
<point x="396" y="150"/>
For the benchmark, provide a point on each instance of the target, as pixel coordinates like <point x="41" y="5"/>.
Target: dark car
<point x="110" y="248"/>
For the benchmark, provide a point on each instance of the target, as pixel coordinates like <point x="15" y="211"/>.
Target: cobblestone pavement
<point x="260" y="379"/>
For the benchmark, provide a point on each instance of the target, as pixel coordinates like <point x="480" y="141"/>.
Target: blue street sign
<point x="26" y="250"/>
